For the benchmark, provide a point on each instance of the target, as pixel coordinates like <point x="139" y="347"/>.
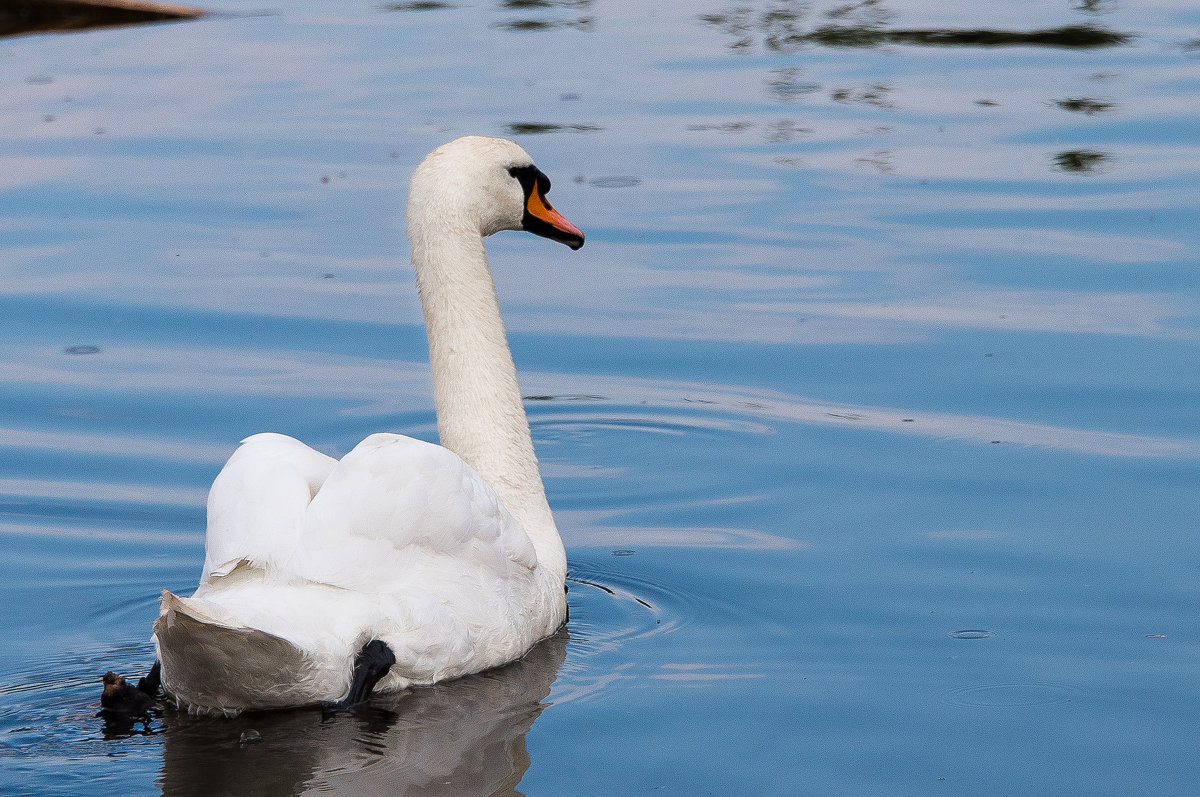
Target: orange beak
<point x="537" y="207"/>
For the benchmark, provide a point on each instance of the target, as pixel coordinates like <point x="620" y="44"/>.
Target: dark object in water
<point x="41" y="16"/>
<point x="121" y="698"/>
<point x="122" y="705"/>
<point x="1074" y="37"/>
<point x="1082" y="161"/>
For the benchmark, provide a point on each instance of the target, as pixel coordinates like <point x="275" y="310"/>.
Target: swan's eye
<point x="540" y="217"/>
<point x="529" y="176"/>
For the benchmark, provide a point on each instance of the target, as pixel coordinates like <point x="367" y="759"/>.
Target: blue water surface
<point x="870" y="413"/>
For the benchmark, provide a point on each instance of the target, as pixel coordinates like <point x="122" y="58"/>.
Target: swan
<point x="404" y="562"/>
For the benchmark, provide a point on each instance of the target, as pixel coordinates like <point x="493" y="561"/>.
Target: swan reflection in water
<point x="462" y="738"/>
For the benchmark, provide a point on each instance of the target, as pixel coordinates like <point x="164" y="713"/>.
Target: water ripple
<point x="610" y="608"/>
<point x="549" y="426"/>
<point x="1018" y="695"/>
<point x="780" y="406"/>
<point x="610" y="612"/>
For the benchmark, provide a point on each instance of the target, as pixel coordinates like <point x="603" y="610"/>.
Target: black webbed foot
<point x="151" y="684"/>
<point x="370" y="665"/>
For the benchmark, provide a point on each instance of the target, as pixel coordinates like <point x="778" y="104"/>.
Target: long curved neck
<point x="480" y="413"/>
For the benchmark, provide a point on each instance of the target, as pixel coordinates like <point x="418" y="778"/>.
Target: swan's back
<point x="395" y="505"/>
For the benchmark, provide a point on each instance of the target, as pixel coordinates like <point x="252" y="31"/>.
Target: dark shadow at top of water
<point x="865" y="24"/>
<point x="1069" y="37"/>
<point x="1085" y="105"/>
<point x="18" y="17"/>
<point x="1083" y="161"/>
<point x="537" y="128"/>
<point x="418" y="5"/>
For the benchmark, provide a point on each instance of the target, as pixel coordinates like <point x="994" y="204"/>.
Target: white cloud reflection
<point x="156" y="449"/>
<point x="102" y="492"/>
<point x="1008" y="310"/>
<point x="591" y="529"/>
<point x="154" y="537"/>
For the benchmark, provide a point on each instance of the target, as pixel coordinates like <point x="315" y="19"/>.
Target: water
<point x="868" y="413"/>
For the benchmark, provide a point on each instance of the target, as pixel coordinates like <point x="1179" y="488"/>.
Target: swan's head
<point x="487" y="184"/>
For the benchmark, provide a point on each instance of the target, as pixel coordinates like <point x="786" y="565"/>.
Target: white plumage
<point x="448" y="555"/>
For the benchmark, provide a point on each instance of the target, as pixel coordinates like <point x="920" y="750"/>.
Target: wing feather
<point x="257" y="503"/>
<point x="395" y="508"/>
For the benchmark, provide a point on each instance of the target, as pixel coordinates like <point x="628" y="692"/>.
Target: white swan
<point x="404" y="562"/>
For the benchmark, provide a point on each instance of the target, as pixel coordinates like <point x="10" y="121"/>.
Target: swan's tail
<point x="210" y="667"/>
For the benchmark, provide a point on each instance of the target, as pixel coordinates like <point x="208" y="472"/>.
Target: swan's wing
<point x="396" y="510"/>
<point x="257" y="503"/>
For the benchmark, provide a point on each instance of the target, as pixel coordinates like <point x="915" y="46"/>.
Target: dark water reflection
<point x="456" y="739"/>
<point x="19" y="17"/>
<point x="535" y="128"/>
<point x="1085" y="105"/>
<point x="418" y="5"/>
<point x="1083" y="161"/>
<point x="1070" y="37"/>
<point x="779" y="27"/>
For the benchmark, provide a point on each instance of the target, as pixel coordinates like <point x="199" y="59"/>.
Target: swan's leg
<point x="153" y="680"/>
<point x="371" y="664"/>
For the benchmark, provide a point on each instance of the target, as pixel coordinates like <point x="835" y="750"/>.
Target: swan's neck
<point x="480" y="413"/>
